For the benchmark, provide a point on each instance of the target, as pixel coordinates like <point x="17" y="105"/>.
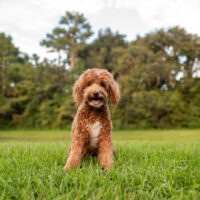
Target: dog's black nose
<point x="96" y="94"/>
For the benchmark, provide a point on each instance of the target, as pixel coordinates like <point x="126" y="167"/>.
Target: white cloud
<point x="28" y="21"/>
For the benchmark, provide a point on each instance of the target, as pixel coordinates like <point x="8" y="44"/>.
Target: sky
<point x="28" y="21"/>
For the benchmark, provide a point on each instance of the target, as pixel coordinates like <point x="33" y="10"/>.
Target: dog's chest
<point x="94" y="133"/>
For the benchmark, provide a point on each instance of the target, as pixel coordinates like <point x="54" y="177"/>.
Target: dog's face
<point x="94" y="87"/>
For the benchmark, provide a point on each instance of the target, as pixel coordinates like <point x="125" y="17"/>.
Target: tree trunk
<point x="72" y="54"/>
<point x="72" y="60"/>
<point x="59" y="57"/>
<point x="188" y="71"/>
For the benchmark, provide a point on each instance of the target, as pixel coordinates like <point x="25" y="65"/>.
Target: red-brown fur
<point x="101" y="81"/>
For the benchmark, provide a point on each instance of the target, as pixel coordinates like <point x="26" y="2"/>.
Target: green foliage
<point x="69" y="37"/>
<point x="38" y="94"/>
<point x="103" y="51"/>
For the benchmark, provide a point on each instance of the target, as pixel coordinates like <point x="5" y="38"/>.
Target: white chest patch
<point x="94" y="133"/>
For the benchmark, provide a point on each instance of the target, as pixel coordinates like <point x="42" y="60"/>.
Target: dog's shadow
<point x="89" y="161"/>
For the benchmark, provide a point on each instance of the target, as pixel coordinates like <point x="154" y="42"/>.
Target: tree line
<point x="158" y="74"/>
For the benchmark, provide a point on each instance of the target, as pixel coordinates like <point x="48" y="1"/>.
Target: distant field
<point x="62" y="135"/>
<point x="165" y="166"/>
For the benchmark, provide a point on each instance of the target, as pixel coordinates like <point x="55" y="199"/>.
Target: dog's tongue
<point x="95" y="101"/>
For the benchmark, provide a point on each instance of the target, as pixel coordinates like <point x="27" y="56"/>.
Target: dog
<point x="92" y="126"/>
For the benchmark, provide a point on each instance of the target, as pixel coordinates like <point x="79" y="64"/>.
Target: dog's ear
<point x="114" y="92"/>
<point x="78" y="90"/>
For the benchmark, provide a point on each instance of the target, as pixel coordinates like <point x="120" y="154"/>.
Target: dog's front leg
<point x="105" y="152"/>
<point x="75" y="156"/>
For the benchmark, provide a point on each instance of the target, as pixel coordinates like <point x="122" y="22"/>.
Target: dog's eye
<point x="89" y="83"/>
<point x="102" y="85"/>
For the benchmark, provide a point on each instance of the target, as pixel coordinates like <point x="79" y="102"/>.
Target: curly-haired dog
<point x="92" y="126"/>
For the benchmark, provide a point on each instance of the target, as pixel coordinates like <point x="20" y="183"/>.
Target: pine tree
<point x="70" y="36"/>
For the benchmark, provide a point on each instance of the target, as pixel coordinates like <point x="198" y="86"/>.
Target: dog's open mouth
<point x="96" y="101"/>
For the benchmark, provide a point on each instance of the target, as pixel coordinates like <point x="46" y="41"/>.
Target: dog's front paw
<point x="71" y="164"/>
<point x="106" y="165"/>
<point x="66" y="167"/>
<point x="106" y="162"/>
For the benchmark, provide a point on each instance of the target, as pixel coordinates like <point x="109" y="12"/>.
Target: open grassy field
<point x="128" y="135"/>
<point x="148" y="165"/>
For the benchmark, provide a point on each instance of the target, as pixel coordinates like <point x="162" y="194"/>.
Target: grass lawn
<point x="148" y="165"/>
<point x="128" y="135"/>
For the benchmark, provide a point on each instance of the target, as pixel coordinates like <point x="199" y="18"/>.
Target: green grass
<point x="161" y="169"/>
<point x="63" y="135"/>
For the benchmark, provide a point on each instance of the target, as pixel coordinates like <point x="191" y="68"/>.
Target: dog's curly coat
<point x="92" y="126"/>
